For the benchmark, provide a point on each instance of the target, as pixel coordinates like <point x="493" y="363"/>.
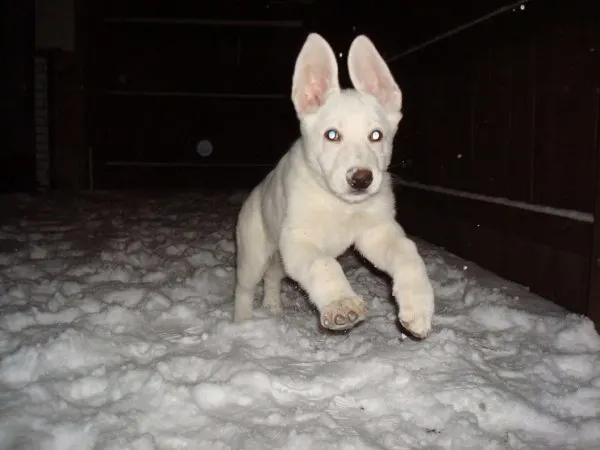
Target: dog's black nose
<point x="361" y="179"/>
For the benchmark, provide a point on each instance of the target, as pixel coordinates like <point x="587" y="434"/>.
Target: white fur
<point x="304" y="214"/>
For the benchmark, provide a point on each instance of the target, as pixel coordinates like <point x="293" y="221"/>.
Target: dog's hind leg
<point x="251" y="265"/>
<point x="253" y="254"/>
<point x="272" y="284"/>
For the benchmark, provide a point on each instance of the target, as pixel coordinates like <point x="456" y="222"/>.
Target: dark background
<point x="121" y="92"/>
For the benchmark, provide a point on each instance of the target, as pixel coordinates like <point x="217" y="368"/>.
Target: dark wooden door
<point x="17" y="154"/>
<point x="187" y="97"/>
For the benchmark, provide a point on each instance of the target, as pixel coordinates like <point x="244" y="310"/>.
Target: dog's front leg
<point x="388" y="248"/>
<point x="323" y="279"/>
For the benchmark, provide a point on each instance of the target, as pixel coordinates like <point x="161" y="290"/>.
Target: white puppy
<point x="332" y="190"/>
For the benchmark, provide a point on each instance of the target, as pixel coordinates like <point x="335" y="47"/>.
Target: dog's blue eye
<point x="375" y="136"/>
<point x="332" y="135"/>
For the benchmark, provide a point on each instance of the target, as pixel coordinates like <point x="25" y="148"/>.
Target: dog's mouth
<point x="357" y="195"/>
<point x="359" y="192"/>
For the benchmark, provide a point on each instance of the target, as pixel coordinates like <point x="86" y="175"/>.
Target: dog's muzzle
<point x="359" y="179"/>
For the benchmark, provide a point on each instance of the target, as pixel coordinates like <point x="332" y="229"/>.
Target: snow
<point x="116" y="333"/>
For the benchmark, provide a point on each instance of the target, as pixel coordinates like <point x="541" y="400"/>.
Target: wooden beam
<point x="560" y="232"/>
<point x="593" y="309"/>
<point x="179" y="176"/>
<point x="207" y="22"/>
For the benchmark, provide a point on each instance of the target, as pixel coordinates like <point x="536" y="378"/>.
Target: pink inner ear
<point x="315" y="87"/>
<point x="378" y="86"/>
<point x="373" y="86"/>
<point x="371" y="75"/>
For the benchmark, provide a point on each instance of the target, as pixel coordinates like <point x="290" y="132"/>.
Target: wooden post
<point x="593" y="309"/>
<point x="593" y="300"/>
<point x="17" y="128"/>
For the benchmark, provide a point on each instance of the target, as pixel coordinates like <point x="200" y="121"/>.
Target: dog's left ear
<point x="369" y="73"/>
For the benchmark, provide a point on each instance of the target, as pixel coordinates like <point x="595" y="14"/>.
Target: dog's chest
<point x="336" y="231"/>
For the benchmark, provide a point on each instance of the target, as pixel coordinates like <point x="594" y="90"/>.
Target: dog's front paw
<point x="416" y="311"/>
<point x="343" y="314"/>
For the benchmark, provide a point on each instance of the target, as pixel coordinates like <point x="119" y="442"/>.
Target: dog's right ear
<point x="369" y="73"/>
<point x="315" y="75"/>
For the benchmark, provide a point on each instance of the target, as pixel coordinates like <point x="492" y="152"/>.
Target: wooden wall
<point x="17" y="146"/>
<point x="165" y="76"/>
<point x="508" y="109"/>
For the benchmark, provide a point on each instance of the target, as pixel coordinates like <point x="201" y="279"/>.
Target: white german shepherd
<point x="332" y="190"/>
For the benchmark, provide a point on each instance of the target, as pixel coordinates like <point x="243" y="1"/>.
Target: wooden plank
<point x="548" y="254"/>
<point x="521" y="141"/>
<point x="165" y="58"/>
<point x="229" y="9"/>
<point x="237" y="23"/>
<point x="502" y="102"/>
<point x="184" y="57"/>
<point x="69" y="141"/>
<point x="423" y="22"/>
<point x="560" y="232"/>
<point x="447" y="101"/>
<point x="488" y="116"/>
<point x="565" y="157"/>
<point x="266" y="59"/>
<point x="470" y="109"/>
<point x="433" y="136"/>
<point x="168" y="129"/>
<point x="164" y="178"/>
<point x="593" y="298"/>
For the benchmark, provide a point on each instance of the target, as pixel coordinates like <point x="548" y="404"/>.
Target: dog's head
<point x="347" y="134"/>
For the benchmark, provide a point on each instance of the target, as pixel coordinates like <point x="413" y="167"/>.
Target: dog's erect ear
<point x="369" y="73"/>
<point x="315" y="75"/>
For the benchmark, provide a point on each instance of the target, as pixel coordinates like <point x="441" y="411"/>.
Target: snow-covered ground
<point x="116" y="333"/>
